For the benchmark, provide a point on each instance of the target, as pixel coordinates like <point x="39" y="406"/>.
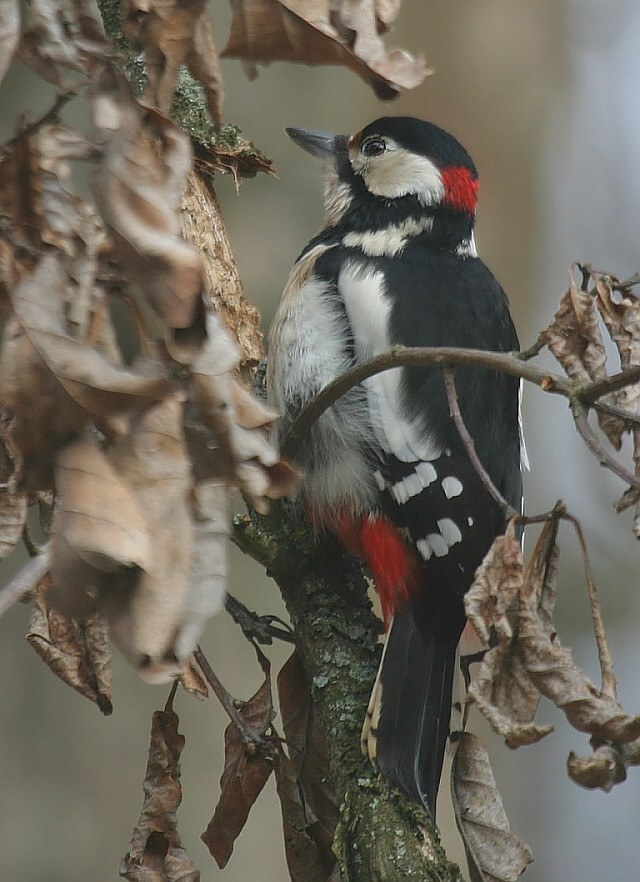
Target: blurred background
<point x="545" y="97"/>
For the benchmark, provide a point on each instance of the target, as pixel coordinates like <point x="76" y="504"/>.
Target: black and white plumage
<point x="395" y="264"/>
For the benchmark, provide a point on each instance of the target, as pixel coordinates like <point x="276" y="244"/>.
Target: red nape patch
<point x="461" y="188"/>
<point x="393" y="564"/>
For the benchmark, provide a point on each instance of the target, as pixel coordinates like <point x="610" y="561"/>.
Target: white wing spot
<point x="426" y="472"/>
<point x="450" y="532"/>
<point x="447" y="451"/>
<point x="438" y="544"/>
<point x="451" y="486"/>
<point x="470" y="521"/>
<point x="400" y="493"/>
<point x="380" y="481"/>
<point x="424" y="549"/>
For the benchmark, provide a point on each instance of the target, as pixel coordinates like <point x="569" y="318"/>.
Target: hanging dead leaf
<point x="574" y="335"/>
<point x="502" y="687"/>
<point x="156" y="853"/>
<point x="192" y="681"/>
<point x="138" y="188"/>
<point x="322" y="32"/>
<point x="46" y="46"/>
<point x="85" y="373"/>
<point x="76" y="651"/>
<point x="494" y="853"/>
<point x="604" y="768"/>
<point x="173" y="34"/>
<point x="305" y="861"/>
<point x="496" y="584"/>
<point x="13" y="515"/>
<point x="241" y="426"/>
<point x="247" y="767"/>
<point x="9" y="34"/>
<point x="101" y="539"/>
<point x="152" y="461"/>
<point x="310" y="764"/>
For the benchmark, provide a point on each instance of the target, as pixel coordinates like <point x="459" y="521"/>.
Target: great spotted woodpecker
<point x="385" y="470"/>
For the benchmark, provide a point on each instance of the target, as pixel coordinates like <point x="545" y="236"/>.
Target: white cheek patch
<point x="401" y="173"/>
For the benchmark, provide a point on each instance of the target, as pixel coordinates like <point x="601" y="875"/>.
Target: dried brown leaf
<point x="85" y="373"/>
<point x="247" y="767"/>
<point x="46" y="45"/>
<point x="574" y="335"/>
<point x="9" y="34"/>
<point x="305" y="861"/>
<point x="76" y="651"/>
<point x="101" y="539"/>
<point x="13" y="515"/>
<point x="241" y="429"/>
<point x="494" y="853"/>
<point x="152" y="460"/>
<point x="138" y="188"/>
<point x="308" y="759"/>
<point x="321" y="32"/>
<point x="156" y="853"/>
<point x="496" y="584"/>
<point x="174" y="33"/>
<point x="555" y="675"/>
<point x="192" y="681"/>
<point x="502" y="687"/>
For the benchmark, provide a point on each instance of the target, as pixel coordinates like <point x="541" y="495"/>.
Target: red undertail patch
<point x="393" y="564"/>
<point x="461" y="188"/>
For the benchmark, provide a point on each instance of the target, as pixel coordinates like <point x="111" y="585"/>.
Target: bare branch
<point x="591" y="440"/>
<point x="24" y="581"/>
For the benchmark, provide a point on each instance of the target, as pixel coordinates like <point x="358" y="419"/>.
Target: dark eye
<point x="373" y="146"/>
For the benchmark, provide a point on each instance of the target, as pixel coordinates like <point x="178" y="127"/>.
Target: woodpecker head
<point x="395" y="166"/>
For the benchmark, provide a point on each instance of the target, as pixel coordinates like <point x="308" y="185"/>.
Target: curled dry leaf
<point x="574" y="335"/>
<point x="156" y="853"/>
<point x="13" y="502"/>
<point x="305" y="861"/>
<point x="240" y="424"/>
<point x="85" y="373"/>
<point x="497" y="582"/>
<point x="9" y="34"/>
<point x="247" y="767"/>
<point x="46" y="46"/>
<point x="76" y="651"/>
<point x="315" y="810"/>
<point x="322" y="32"/>
<point x="494" y="853"/>
<point x="173" y="34"/>
<point x="152" y="461"/>
<point x="606" y="767"/>
<point x="502" y="687"/>
<point x="101" y="540"/>
<point x="138" y="188"/>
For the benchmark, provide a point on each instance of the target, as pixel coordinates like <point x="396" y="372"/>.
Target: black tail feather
<point x="415" y="687"/>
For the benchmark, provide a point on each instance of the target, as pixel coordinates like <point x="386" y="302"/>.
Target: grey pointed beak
<point x="323" y="145"/>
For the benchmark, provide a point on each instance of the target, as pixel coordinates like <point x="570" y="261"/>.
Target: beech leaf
<point x="322" y="32"/>
<point x="494" y="853"/>
<point x="247" y="767"/>
<point x="156" y="853"/>
<point x="76" y="651"/>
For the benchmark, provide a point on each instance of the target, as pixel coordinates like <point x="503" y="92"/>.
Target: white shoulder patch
<point x="368" y="309"/>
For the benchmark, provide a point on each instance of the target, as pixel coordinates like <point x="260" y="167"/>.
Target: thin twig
<point x="24" y="581"/>
<point x="591" y="440"/>
<point x="225" y="698"/>
<point x="504" y="362"/>
<point x="259" y="628"/>
<point x="532" y="351"/>
<point x="592" y="391"/>
<point x="467" y="440"/>
<point x="608" y="680"/>
<point x="630" y="419"/>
